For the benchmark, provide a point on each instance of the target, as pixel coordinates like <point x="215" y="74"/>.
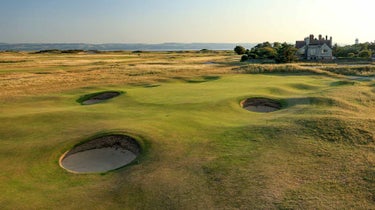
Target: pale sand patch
<point x="98" y="160"/>
<point x="101" y="154"/>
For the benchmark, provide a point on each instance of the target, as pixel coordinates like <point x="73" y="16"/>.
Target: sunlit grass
<point x="203" y="150"/>
<point x="44" y="72"/>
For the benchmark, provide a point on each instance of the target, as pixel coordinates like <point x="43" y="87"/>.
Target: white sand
<point x="97" y="160"/>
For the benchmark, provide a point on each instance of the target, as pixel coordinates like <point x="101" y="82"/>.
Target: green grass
<point x="202" y="150"/>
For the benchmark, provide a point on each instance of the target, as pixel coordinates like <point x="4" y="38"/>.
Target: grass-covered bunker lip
<point x="261" y="104"/>
<point x="101" y="153"/>
<point x="98" y="97"/>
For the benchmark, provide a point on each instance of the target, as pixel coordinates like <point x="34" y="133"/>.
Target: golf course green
<point x="200" y="148"/>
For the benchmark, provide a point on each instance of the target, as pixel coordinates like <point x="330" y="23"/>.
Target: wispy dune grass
<point x="45" y="72"/>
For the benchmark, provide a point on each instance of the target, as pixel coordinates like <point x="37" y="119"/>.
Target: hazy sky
<point x="158" y="21"/>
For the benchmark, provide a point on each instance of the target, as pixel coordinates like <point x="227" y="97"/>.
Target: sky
<point x="186" y="21"/>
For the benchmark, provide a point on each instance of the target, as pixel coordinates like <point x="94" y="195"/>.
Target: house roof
<point x="314" y="41"/>
<point x="300" y="44"/>
<point x="321" y="42"/>
<point x="319" y="46"/>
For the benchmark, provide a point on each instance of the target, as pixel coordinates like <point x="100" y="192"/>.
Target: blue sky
<point x="158" y="21"/>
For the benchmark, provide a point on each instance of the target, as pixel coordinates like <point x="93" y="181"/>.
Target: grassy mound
<point x="339" y="130"/>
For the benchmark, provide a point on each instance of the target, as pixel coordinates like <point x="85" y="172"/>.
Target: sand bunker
<point x="261" y="104"/>
<point x="99" y="97"/>
<point x="101" y="154"/>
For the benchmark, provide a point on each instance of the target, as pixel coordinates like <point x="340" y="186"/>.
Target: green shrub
<point x="240" y="50"/>
<point x="244" y="58"/>
<point x="364" y="54"/>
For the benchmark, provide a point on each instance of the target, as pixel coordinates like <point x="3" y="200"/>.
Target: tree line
<point x="278" y="52"/>
<point x="361" y="50"/>
<point x="286" y="53"/>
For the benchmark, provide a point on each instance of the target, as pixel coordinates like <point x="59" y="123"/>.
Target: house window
<point x="324" y="51"/>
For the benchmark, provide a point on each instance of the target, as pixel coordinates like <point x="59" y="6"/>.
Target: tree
<point x="276" y="45"/>
<point x="240" y="50"/>
<point x="244" y="58"/>
<point x="252" y="55"/>
<point x="263" y="51"/>
<point x="371" y="46"/>
<point x="364" y="54"/>
<point x="286" y="53"/>
<point x="268" y="52"/>
<point x="355" y="49"/>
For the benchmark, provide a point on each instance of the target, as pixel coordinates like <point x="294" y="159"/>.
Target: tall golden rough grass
<point x="28" y="73"/>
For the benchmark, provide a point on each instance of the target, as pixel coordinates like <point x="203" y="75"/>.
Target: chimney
<point x="326" y="37"/>
<point x="330" y="41"/>
<point x="320" y="37"/>
<point x="311" y="37"/>
<point x="307" y="40"/>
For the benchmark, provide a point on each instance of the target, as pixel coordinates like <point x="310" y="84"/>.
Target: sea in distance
<point x="121" y="46"/>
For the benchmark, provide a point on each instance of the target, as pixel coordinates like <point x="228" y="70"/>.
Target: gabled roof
<point x="321" y="42"/>
<point x="300" y="44"/>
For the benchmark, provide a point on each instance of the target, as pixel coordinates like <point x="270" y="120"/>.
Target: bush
<point x="280" y="53"/>
<point x="268" y="52"/>
<point x="240" y="50"/>
<point x="364" y="54"/>
<point x="253" y="55"/>
<point x="286" y="54"/>
<point x="244" y="58"/>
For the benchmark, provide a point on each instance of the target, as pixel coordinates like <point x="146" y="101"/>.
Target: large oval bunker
<point x="260" y="104"/>
<point x="101" y="154"/>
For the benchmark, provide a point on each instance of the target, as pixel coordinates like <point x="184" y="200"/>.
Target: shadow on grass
<point x="319" y="101"/>
<point x="342" y="82"/>
<point x="203" y="79"/>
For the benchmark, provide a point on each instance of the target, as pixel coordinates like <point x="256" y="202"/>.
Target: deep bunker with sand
<point x="98" y="97"/>
<point x="260" y="104"/>
<point x="101" y="154"/>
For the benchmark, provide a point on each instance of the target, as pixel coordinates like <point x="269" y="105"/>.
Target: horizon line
<point x="160" y="43"/>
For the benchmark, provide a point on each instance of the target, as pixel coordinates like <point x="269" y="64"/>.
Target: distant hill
<point x="115" y="46"/>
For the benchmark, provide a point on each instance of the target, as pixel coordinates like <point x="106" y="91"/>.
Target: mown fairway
<point x="201" y="149"/>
